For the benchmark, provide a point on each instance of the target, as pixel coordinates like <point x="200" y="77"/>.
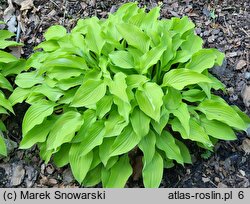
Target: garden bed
<point x="222" y="24"/>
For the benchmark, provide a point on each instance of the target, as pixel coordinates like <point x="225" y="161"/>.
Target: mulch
<point x="223" y="24"/>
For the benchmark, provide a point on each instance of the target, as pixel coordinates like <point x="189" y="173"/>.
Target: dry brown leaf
<point x="245" y="94"/>
<point x="222" y="185"/>
<point x="241" y="64"/>
<point x="246" y="146"/>
<point x="8" y="12"/>
<point x="16" y="51"/>
<point x="12" y="24"/>
<point x="83" y="5"/>
<point x="137" y="168"/>
<point x="9" y="17"/>
<point x="232" y="54"/>
<point x="52" y="13"/>
<point x="243" y="173"/>
<point x="92" y="2"/>
<point x="18" y="2"/>
<point x="27" y="4"/>
<point x="205" y="179"/>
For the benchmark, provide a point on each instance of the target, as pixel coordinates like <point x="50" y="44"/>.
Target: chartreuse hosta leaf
<point x="64" y="129"/>
<point x="105" y="150"/>
<point x="3" y="149"/>
<point x="147" y="146"/>
<point x="94" y="39"/>
<point x="96" y="158"/>
<point x="4" y="83"/>
<point x="103" y="106"/>
<point x="193" y="95"/>
<point x="41" y="131"/>
<point x="55" y="32"/>
<point x="136" y="80"/>
<point x="183" y="115"/>
<point x="44" y="153"/>
<point x="125" y="142"/>
<point x="172" y="99"/>
<point x="93" y="177"/>
<point x="151" y="57"/>
<point x="28" y="80"/>
<point x="9" y="66"/>
<point x="118" y="89"/>
<point x="61" y="158"/>
<point x="136" y="38"/>
<point x="90" y="92"/>
<point x="3" y="111"/>
<point x="192" y="44"/>
<point x="5" y="34"/>
<point x="119" y="173"/>
<point x="18" y="95"/>
<point x="77" y="161"/>
<point x="166" y="143"/>
<point x="93" y="137"/>
<point x="152" y="172"/>
<point x="67" y="61"/>
<point x="4" y="44"/>
<point x="149" y="99"/>
<point x="184" y="152"/>
<point x="222" y="112"/>
<point x="114" y="124"/>
<point x="140" y="122"/>
<point x="179" y="78"/>
<point x="243" y="115"/>
<point x="197" y="133"/>
<point x="2" y="126"/>
<point x="36" y="114"/>
<point x="181" y="26"/>
<point x="5" y="103"/>
<point x="217" y="129"/>
<point x="122" y="59"/>
<point x="159" y="126"/>
<point x="202" y="60"/>
<point x="52" y="94"/>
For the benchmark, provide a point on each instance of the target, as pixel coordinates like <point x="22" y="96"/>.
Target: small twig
<point x="94" y="6"/>
<point x="247" y="57"/>
<point x="242" y="29"/>
<point x="212" y="183"/>
<point x="55" y="4"/>
<point x="113" y="9"/>
<point x="228" y="8"/>
<point x="18" y="32"/>
<point x="228" y="30"/>
<point x="65" y="4"/>
<point x="10" y="3"/>
<point x="38" y="26"/>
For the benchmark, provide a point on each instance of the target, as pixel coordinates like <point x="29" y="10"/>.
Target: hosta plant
<point x="127" y="85"/>
<point x="9" y="65"/>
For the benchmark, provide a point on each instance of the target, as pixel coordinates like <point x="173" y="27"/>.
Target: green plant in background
<point x="9" y="65"/>
<point x="130" y="83"/>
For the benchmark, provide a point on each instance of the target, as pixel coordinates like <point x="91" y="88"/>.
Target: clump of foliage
<point x="9" y="65"/>
<point x="130" y="83"/>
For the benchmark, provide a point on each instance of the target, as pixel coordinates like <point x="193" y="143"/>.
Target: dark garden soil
<point x="223" y="24"/>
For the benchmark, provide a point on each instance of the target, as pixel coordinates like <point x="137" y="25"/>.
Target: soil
<point x="223" y="24"/>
